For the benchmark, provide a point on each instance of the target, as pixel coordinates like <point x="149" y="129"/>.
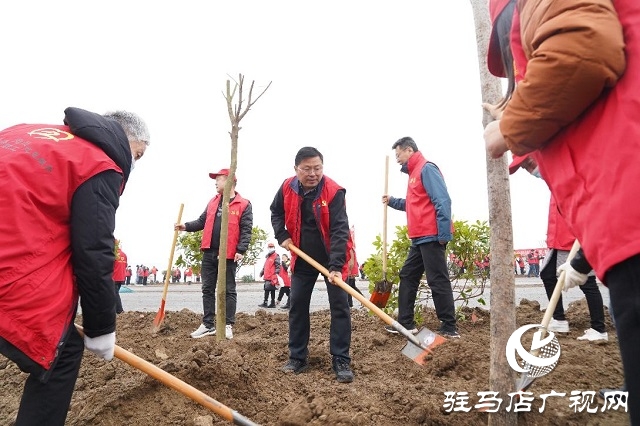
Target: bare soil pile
<point x="389" y="389"/>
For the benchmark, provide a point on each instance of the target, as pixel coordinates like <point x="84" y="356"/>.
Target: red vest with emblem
<point x="236" y="208"/>
<point x="421" y="214"/>
<point x="292" y="219"/>
<point x="35" y="242"/>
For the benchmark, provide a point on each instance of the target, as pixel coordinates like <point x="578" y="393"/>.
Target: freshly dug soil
<point x="389" y="389"/>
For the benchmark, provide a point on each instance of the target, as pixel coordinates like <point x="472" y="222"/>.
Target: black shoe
<point x="295" y="366"/>
<point x="390" y="329"/>
<point x="272" y="304"/>
<point x="601" y="392"/>
<point x="263" y="305"/>
<point x="342" y="370"/>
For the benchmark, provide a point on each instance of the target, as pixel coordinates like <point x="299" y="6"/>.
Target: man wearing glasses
<point x="309" y="211"/>
<point x="428" y="208"/>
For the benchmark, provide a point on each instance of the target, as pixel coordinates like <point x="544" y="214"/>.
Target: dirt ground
<point x="389" y="389"/>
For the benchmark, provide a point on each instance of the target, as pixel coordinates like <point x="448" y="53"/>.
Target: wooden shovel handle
<point x="548" y="314"/>
<point x="178" y="385"/>
<point x="171" y="254"/>
<point x="358" y="296"/>
<point x="384" y="220"/>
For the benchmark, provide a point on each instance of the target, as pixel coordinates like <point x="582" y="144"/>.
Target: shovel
<point x="159" y="319"/>
<point x="418" y="346"/>
<point x="382" y="289"/>
<point x="178" y="385"/>
<point x="527" y="378"/>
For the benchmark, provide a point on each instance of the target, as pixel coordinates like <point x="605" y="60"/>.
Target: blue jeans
<point x="209" y="284"/>
<point x="302" y="285"/>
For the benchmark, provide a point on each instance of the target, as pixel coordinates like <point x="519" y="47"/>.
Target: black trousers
<point x="209" y="284"/>
<point x="47" y="393"/>
<point x="284" y="290"/>
<point x="271" y="293"/>
<point x="590" y="290"/>
<point x="119" y="309"/>
<point x="623" y="281"/>
<point x="302" y="285"/>
<point x="428" y="258"/>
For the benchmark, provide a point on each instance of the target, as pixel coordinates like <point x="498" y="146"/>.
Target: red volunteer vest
<point x="120" y="266"/>
<point x="35" y="243"/>
<point x="292" y="219"/>
<point x="285" y="277"/>
<point x="269" y="272"/>
<point x="421" y="214"/>
<point x="236" y="208"/>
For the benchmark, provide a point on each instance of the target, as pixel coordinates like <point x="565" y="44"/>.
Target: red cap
<point x="494" y="55"/>
<point x="222" y="172"/>
<point x="517" y="161"/>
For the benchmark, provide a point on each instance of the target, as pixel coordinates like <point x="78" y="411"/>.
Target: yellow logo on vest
<point x="235" y="212"/>
<point x="51" y="133"/>
<point x="412" y="180"/>
<point x="324" y="203"/>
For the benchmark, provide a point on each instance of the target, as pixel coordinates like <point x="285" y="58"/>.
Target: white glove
<point x="103" y="346"/>
<point x="572" y="277"/>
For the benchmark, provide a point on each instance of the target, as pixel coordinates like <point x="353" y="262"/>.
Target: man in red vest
<point x="119" y="274"/>
<point x="60" y="185"/>
<point x="238" y="238"/>
<point x="309" y="211"/>
<point x="428" y="208"/>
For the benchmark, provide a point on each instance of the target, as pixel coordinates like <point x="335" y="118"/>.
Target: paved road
<point x="181" y="296"/>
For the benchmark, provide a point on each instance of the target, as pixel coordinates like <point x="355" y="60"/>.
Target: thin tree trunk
<point x="236" y="113"/>
<point x="503" y="312"/>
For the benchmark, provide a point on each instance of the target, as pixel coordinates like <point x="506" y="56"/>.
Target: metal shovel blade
<point x="428" y="341"/>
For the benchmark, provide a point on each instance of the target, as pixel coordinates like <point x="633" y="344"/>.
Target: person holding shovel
<point x="309" y="211"/>
<point x="238" y="238"/>
<point x="559" y="241"/>
<point x="575" y="109"/>
<point x="60" y="187"/>
<point x="428" y="208"/>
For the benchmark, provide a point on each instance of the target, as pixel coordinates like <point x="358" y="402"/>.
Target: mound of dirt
<point x="389" y="389"/>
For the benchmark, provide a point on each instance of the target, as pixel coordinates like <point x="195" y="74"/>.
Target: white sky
<point x="348" y="78"/>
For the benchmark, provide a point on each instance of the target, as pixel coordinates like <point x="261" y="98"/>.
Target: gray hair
<point x="134" y="127"/>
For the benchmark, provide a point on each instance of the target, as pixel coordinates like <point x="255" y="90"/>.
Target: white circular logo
<point x="548" y="352"/>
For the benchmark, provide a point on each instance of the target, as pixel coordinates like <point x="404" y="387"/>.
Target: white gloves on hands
<point x="572" y="277"/>
<point x="103" y="346"/>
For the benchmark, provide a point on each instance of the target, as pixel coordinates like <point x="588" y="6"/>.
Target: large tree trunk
<point x="503" y="313"/>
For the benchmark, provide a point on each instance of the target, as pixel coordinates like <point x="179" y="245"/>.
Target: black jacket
<point x="93" y="213"/>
